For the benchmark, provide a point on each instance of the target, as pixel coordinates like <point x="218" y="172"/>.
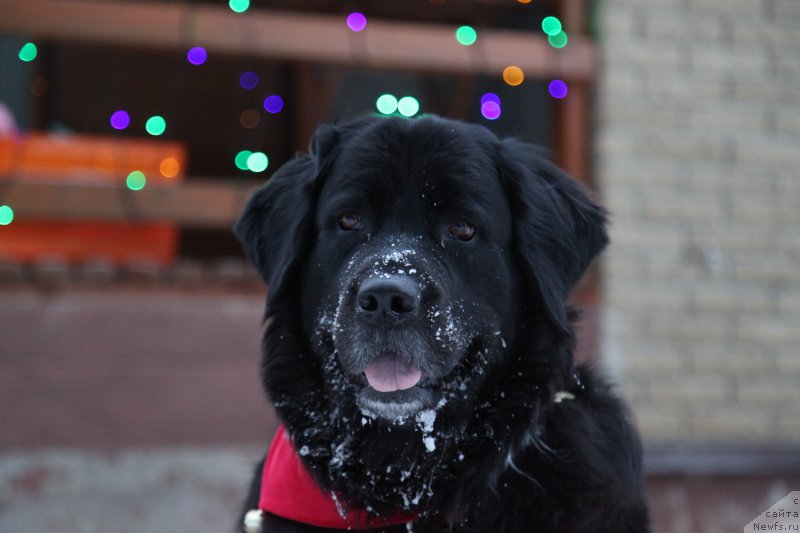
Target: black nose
<point x="391" y="299"/>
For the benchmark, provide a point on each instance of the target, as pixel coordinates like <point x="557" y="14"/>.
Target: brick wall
<point x="698" y="158"/>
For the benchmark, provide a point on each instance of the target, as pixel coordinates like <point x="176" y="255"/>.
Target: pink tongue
<point x="388" y="373"/>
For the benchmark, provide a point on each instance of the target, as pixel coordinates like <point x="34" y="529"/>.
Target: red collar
<point x="289" y="491"/>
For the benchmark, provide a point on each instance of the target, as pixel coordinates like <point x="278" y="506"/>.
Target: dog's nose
<point x="391" y="299"/>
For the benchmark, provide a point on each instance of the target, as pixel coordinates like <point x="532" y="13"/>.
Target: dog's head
<point x="415" y="254"/>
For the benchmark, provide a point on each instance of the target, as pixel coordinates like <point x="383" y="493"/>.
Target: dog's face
<point x="414" y="254"/>
<point x="411" y="275"/>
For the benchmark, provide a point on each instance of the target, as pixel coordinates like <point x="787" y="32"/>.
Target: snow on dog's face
<point x="409" y="281"/>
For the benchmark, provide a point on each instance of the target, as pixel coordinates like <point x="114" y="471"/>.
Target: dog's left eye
<point x="349" y="221"/>
<point x="462" y="230"/>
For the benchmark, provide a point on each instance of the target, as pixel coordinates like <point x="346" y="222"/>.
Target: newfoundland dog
<point x="419" y="348"/>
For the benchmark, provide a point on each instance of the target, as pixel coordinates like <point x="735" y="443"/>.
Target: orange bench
<point x="95" y="160"/>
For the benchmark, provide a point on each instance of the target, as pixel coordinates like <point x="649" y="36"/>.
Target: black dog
<point x="419" y="351"/>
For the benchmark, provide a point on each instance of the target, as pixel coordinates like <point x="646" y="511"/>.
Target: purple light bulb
<point x="558" y="89"/>
<point x="197" y="55"/>
<point x="120" y="120"/>
<point x="248" y="80"/>
<point x="356" y="21"/>
<point x="273" y="104"/>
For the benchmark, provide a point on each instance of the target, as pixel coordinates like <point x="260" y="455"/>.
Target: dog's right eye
<point x="462" y="230"/>
<point x="349" y="221"/>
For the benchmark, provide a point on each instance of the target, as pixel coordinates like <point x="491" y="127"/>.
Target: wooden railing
<point x="197" y="203"/>
<point x="301" y="36"/>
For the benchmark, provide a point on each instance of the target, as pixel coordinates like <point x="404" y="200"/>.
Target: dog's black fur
<point x="480" y="444"/>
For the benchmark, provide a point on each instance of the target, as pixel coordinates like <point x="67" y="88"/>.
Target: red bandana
<point x="288" y="490"/>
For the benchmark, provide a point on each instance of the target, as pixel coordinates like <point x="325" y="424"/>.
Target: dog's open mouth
<point x="389" y="373"/>
<point x="392" y="390"/>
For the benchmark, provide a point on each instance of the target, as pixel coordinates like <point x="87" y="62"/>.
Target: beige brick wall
<point x="698" y="159"/>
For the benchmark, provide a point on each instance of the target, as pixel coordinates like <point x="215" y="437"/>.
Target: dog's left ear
<point x="558" y="230"/>
<point x="275" y="224"/>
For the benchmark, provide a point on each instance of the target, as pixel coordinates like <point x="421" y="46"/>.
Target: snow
<point x="425" y="419"/>
<point x="398" y="256"/>
<point x="339" y="507"/>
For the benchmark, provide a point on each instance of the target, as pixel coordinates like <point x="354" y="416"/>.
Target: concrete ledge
<point x="722" y="460"/>
<point x="134" y="491"/>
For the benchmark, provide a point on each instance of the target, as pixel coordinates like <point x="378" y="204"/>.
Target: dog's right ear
<point x="559" y="230"/>
<point x="275" y="224"/>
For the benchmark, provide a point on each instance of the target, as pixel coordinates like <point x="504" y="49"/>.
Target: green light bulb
<point x="386" y="104"/>
<point x="558" y="41"/>
<point x="466" y="35"/>
<point x="239" y="6"/>
<point x="155" y="125"/>
<point x="28" y="52"/>
<point x="136" y="180"/>
<point x="408" y="106"/>
<point x="257" y="162"/>
<point x="6" y="215"/>
<point x="241" y="159"/>
<point x="551" y="26"/>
